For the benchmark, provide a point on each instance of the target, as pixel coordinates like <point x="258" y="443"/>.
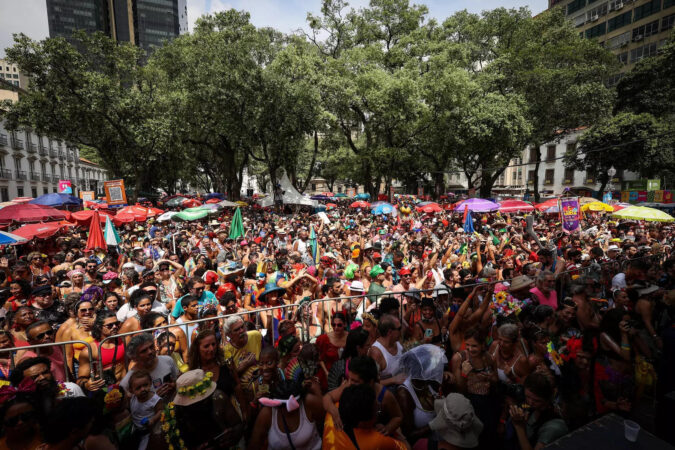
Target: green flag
<point x="237" y="225"/>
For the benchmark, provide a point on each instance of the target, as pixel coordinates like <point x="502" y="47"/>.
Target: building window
<point x="530" y="176"/>
<point x="667" y="22"/>
<point x="668" y="3"/>
<point x="569" y="176"/>
<point x="618" y="41"/>
<point x="19" y="191"/>
<point x="571" y="147"/>
<point x="598" y="30"/>
<point x="33" y="192"/>
<point x="642" y="52"/>
<point x="623" y="58"/>
<point x="575" y="5"/>
<point x="647" y="10"/>
<point x="549" y="177"/>
<point x="550" y="153"/>
<point x="533" y="155"/>
<point x="4" y="193"/>
<point x="646" y="30"/>
<point x="313" y="186"/>
<point x="619" y="21"/>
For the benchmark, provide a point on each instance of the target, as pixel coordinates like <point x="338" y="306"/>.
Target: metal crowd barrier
<point x="63" y="344"/>
<point x="305" y="322"/>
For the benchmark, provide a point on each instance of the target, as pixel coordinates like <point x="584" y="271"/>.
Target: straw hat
<point x="456" y="422"/>
<point x="193" y="386"/>
<point x="520" y="282"/>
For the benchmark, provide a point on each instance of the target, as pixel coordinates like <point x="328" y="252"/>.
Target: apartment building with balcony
<point x="631" y="29"/>
<point x="32" y="165"/>
<point x="554" y="177"/>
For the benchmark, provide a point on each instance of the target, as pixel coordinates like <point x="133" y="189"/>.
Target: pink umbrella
<point x="547" y="204"/>
<point x="476" y="205"/>
<point x="512" y="206"/>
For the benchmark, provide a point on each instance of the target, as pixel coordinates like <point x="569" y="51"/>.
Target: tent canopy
<point x="55" y="200"/>
<point x="290" y="195"/>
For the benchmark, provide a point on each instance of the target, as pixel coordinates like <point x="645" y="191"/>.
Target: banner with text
<point x="569" y="212"/>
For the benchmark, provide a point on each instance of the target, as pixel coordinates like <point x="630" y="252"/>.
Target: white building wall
<point x="32" y="165"/>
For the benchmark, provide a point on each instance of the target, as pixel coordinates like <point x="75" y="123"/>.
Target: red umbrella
<point x="152" y="212"/>
<point x="511" y="206"/>
<point x="39" y="230"/>
<point x="96" y="238"/>
<point x="27" y="212"/>
<point x="138" y="213"/>
<point x="83" y="218"/>
<point x="213" y="200"/>
<point x="430" y="208"/>
<point x="360" y="204"/>
<point x="547" y="204"/>
<point x="331" y="205"/>
<point x="191" y="203"/>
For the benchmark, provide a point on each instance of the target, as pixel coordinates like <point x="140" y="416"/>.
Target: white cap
<point x="357" y="286"/>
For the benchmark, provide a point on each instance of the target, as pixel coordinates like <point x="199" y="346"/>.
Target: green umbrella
<point x="190" y="215"/>
<point x="237" y="225"/>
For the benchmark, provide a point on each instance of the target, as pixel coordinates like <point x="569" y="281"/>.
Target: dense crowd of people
<point x="343" y="331"/>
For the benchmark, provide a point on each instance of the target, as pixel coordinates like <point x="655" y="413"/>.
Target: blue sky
<point x="30" y="16"/>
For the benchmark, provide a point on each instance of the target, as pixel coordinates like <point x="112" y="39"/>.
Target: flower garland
<point x="197" y="388"/>
<point x="171" y="432"/>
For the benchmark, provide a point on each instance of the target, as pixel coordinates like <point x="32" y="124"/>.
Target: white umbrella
<point x="166" y="216"/>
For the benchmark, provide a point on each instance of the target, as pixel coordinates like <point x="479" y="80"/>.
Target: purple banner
<point x="569" y="213"/>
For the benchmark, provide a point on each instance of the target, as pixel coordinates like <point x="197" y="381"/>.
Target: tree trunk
<point x="535" y="179"/>
<point x="439" y="184"/>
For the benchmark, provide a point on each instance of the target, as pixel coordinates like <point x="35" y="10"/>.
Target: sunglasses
<point x="23" y="417"/>
<point x="110" y="326"/>
<point x="86" y="310"/>
<point x="338" y="325"/>
<point x="42" y="335"/>
<point x="198" y="289"/>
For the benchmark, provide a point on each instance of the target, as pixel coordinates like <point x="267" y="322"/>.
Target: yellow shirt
<point x="253" y="345"/>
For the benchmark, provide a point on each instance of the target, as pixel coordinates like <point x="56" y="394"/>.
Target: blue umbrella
<point x="383" y="208"/>
<point x="364" y="196"/>
<point x="55" y="199"/>
<point x="9" y="238"/>
<point x="468" y="223"/>
<point x="211" y="195"/>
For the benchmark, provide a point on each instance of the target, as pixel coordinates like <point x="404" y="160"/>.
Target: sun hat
<point x="520" y="282"/>
<point x="614" y="248"/>
<point x="377" y="255"/>
<point x="269" y="288"/>
<point x="404" y="271"/>
<point x="356" y="286"/>
<point x="456" y="422"/>
<point x="376" y="270"/>
<point x="210" y="277"/>
<point x="193" y="386"/>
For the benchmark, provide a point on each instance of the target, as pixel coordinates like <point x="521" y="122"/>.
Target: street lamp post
<point x="610" y="172"/>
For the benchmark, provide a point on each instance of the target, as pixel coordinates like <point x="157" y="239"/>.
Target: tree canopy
<point x="375" y="95"/>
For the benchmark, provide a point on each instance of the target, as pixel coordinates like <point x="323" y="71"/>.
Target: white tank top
<point x="391" y="360"/>
<point x="304" y="438"/>
<point x="422" y="416"/>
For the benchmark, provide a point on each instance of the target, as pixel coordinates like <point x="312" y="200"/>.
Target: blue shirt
<point x="207" y="298"/>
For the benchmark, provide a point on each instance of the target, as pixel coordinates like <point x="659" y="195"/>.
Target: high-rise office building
<point x="145" y="23"/>
<point x="631" y="29"/>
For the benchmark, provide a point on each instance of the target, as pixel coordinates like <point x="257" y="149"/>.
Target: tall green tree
<point x="100" y="97"/>
<point x="559" y="75"/>
<point x="371" y="84"/>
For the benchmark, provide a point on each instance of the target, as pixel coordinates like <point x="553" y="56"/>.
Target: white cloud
<point x="22" y="16"/>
